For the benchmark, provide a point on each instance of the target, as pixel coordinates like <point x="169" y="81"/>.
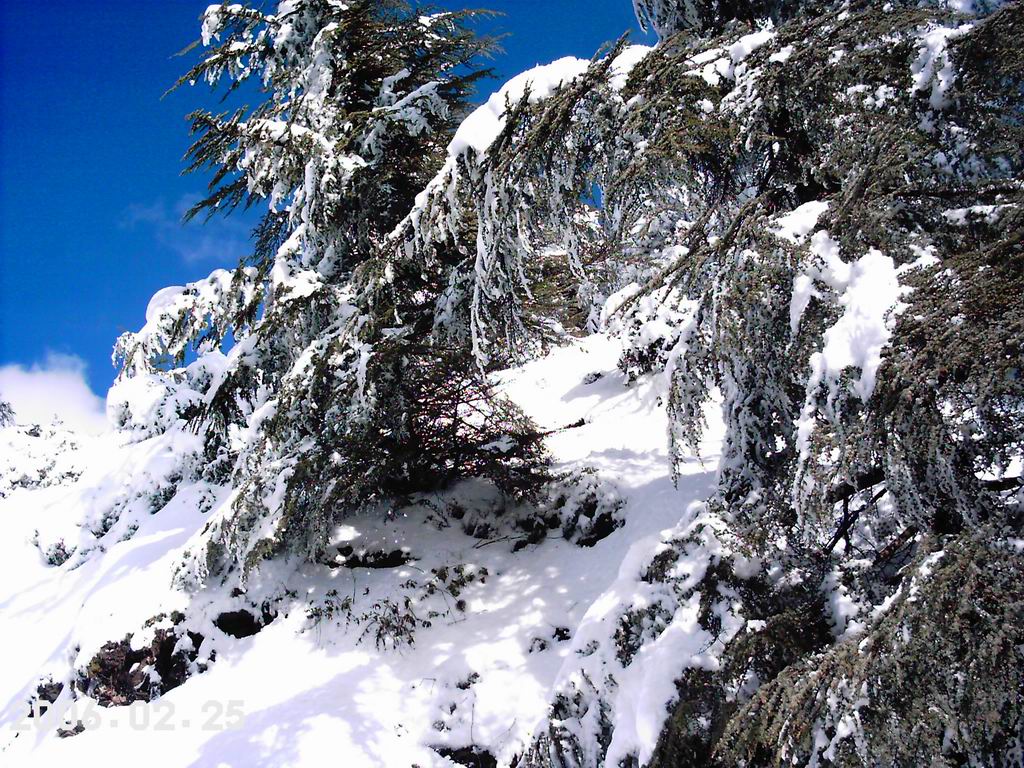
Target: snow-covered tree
<point x="807" y="215"/>
<point x="317" y="386"/>
<point x="815" y="216"/>
<point x="360" y="100"/>
<point x="764" y="202"/>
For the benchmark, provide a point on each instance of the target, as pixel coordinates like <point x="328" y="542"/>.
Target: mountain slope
<point x="482" y="676"/>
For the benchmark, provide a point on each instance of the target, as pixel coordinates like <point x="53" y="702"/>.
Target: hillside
<point x="481" y="675"/>
<point x="663" y="409"/>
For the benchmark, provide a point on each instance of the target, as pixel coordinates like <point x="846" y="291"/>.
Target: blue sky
<point x="90" y="157"/>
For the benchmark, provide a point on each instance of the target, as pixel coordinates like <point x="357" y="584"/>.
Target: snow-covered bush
<point x="392" y="618"/>
<point x="587" y="508"/>
<point x="39" y="457"/>
<point x="6" y="414"/>
<point x="579" y="506"/>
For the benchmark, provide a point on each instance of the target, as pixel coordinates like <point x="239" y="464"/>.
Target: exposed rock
<point x="66" y="733"/>
<point x="471" y="757"/>
<point x="49" y="690"/>
<point x="119" y="675"/>
<point x="374" y="559"/>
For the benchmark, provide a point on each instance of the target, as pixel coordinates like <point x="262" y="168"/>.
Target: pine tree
<point x="698" y="168"/>
<point x="820" y="204"/>
<point x="333" y="396"/>
<point x="360" y="101"/>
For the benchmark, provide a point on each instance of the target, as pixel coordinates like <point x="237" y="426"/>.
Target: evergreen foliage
<point x="937" y="681"/>
<point x="317" y="385"/>
<point x="847" y="117"/>
<point x="813" y="215"/>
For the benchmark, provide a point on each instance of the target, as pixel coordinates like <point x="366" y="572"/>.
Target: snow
<point x="803" y="292"/>
<point x="990" y="214"/>
<point x="842" y="608"/>
<point x="857" y="339"/>
<point x="971" y="7"/>
<point x="747" y="44"/>
<point x="163" y="299"/>
<point x="715" y="64"/>
<point x="213" y="19"/>
<point x="309" y="690"/>
<point x="867" y="289"/>
<point x="798" y="223"/>
<point x="644" y="690"/>
<point x="624" y="63"/>
<point x="478" y="131"/>
<point x="933" y="70"/>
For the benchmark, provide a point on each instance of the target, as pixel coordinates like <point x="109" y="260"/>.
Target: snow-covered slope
<point x="313" y="686"/>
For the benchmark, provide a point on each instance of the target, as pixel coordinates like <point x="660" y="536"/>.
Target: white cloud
<point x="55" y="389"/>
